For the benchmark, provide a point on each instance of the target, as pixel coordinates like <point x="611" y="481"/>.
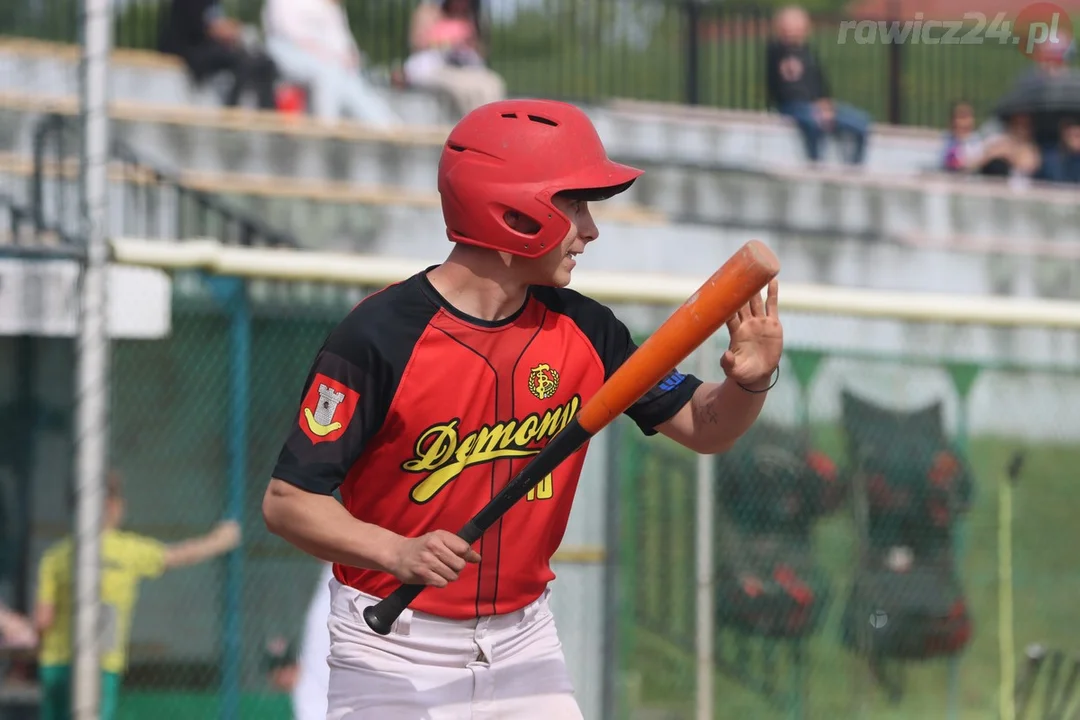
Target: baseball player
<point x="126" y="560"/>
<point x="432" y="393"/>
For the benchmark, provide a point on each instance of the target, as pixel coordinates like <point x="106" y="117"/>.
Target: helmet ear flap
<point x="519" y="227"/>
<point x="534" y="226"/>
<point x="519" y="223"/>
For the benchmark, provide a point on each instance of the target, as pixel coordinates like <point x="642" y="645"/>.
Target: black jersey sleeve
<point x="341" y="408"/>
<point x="613" y="343"/>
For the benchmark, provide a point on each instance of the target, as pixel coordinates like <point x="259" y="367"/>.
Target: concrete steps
<point x="826" y="202"/>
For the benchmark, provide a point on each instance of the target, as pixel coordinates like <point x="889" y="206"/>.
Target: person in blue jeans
<point x="797" y="87"/>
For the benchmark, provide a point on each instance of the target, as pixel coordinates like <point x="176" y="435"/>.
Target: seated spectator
<point x="963" y="145"/>
<point x="1061" y="163"/>
<point x="311" y="44"/>
<point x="1013" y="153"/>
<point x="796" y="87"/>
<point x="209" y="42"/>
<point x="447" y="54"/>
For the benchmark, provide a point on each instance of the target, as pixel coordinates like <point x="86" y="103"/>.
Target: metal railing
<point x="147" y="199"/>
<point x="22" y="235"/>
<point x="683" y="51"/>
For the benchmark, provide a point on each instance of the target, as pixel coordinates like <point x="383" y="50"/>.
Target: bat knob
<point x="377" y="621"/>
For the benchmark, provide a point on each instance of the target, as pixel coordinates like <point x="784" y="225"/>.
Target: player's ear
<point x="521" y="223"/>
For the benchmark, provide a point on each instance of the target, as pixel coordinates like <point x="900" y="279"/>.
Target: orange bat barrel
<point x="724" y="294"/>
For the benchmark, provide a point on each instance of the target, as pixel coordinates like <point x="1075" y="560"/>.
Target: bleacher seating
<point x="319" y="214"/>
<point x="47" y="69"/>
<point x="714" y="179"/>
<point x="662" y="131"/>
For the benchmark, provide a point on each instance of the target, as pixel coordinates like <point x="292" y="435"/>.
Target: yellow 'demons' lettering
<point x="441" y="453"/>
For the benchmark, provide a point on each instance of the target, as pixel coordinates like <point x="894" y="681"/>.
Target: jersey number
<point x="542" y="491"/>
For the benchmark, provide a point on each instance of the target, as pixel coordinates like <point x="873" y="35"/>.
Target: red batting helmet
<point x="515" y="155"/>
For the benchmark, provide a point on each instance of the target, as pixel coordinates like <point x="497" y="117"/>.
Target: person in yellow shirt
<point x="126" y="560"/>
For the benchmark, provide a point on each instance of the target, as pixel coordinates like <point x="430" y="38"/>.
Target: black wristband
<point x="764" y="390"/>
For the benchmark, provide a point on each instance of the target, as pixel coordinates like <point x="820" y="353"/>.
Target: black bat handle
<point x="381" y="616"/>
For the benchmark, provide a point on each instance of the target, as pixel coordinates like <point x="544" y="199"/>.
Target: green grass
<point x="1046" y="588"/>
<point x="136" y="705"/>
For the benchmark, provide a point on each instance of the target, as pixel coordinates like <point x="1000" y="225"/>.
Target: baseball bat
<point x="741" y="277"/>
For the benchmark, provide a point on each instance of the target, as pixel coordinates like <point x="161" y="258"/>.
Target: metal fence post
<point x="610" y="705"/>
<point x="693" y="56"/>
<point x="706" y="602"/>
<point x="92" y="390"/>
<point x="240" y="354"/>
<point x="895" y="83"/>
<point x="231" y="296"/>
<point x="896" y="76"/>
<point x="963" y="376"/>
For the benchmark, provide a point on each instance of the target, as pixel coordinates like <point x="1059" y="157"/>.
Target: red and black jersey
<point x="421" y="414"/>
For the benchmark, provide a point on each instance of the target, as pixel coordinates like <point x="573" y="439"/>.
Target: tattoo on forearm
<point x="704" y="412"/>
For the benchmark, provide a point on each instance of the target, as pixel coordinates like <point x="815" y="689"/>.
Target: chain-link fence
<point x="198" y="420"/>
<point x="859" y="536"/>
<point x="866" y="531"/>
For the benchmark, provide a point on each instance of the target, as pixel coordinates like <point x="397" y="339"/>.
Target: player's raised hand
<point x="757" y="340"/>
<point x="227" y="534"/>
<point x="436" y="559"/>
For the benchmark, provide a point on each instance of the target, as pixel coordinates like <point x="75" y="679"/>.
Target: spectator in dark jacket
<point x="797" y="87"/>
<point x="1061" y="163"/>
<point x="209" y="42"/>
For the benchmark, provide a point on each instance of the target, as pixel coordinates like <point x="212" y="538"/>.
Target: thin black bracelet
<point x="771" y="386"/>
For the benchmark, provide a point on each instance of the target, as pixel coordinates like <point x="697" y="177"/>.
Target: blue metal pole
<point x="232" y="292"/>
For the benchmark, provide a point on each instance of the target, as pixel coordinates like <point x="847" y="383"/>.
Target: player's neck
<point x="478" y="283"/>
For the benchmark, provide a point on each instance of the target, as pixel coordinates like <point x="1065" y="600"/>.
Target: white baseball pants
<point x="430" y="668"/>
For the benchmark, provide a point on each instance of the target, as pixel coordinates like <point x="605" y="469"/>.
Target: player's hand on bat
<point x="436" y="558"/>
<point x="757" y="340"/>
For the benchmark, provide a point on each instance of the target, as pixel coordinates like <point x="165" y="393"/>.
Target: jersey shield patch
<point x="327" y="409"/>
<point x="543" y="381"/>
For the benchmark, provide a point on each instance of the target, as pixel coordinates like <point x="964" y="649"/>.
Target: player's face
<point x="555" y="267"/>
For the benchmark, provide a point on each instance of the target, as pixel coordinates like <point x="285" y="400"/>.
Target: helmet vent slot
<point x="457" y="148"/>
<point x="543" y="120"/>
<point x="511" y="116"/>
